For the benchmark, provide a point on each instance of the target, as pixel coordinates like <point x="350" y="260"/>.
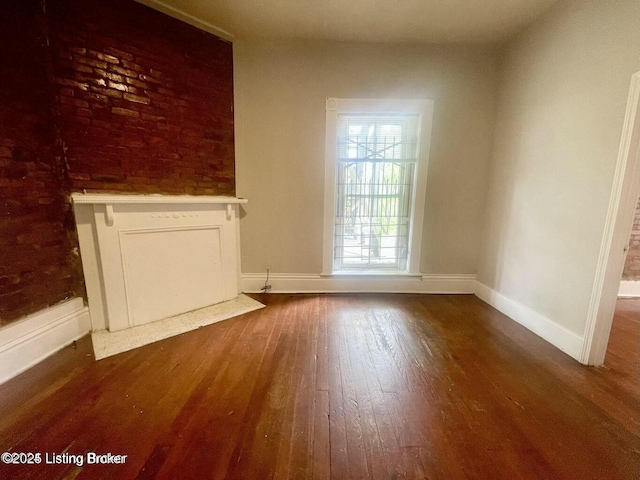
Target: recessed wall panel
<point x="163" y="278"/>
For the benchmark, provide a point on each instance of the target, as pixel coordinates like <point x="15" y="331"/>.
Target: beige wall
<point x="280" y="91"/>
<point x="561" y="106"/>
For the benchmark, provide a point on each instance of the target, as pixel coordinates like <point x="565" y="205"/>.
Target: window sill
<point x="372" y="273"/>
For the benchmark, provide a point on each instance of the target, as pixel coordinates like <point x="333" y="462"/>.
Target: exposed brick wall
<point x="37" y="265"/>
<point x="632" y="265"/>
<point x="102" y="96"/>
<point x="145" y="100"/>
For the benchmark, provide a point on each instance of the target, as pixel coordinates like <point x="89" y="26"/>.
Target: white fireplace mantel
<point x="149" y="257"/>
<point x="107" y="198"/>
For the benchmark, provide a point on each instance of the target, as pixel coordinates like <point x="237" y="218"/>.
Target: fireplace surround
<point x="149" y="257"/>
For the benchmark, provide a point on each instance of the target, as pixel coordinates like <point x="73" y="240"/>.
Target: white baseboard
<point x="629" y="288"/>
<point x="552" y="332"/>
<point x="32" y="339"/>
<point x="304" y="283"/>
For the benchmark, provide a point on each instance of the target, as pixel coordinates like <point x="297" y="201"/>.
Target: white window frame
<point x="337" y="106"/>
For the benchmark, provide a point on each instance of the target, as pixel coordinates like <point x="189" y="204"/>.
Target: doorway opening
<point x="615" y="243"/>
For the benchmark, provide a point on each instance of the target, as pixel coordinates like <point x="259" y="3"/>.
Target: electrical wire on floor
<point x="266" y="288"/>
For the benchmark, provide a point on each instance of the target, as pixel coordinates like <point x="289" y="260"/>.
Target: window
<point x="376" y="159"/>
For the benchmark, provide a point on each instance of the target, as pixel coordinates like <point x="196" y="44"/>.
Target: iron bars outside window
<point x="377" y="157"/>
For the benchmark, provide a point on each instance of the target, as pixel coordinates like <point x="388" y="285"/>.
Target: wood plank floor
<point x="337" y="386"/>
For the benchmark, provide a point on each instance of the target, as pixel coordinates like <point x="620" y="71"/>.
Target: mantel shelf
<point x="112" y="199"/>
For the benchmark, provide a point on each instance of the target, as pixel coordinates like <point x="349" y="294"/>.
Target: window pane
<point x="376" y="163"/>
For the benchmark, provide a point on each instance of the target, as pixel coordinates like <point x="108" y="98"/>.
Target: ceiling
<point x="415" y="21"/>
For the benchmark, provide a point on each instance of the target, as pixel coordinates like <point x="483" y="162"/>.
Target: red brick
<point x="136" y="98"/>
<point x="155" y="118"/>
<point x="118" y="53"/>
<point x="108" y="92"/>
<point x="149" y="78"/>
<point x="117" y="86"/>
<point x="108" y="75"/>
<point x="125" y="112"/>
<point x="136" y="82"/>
<point x="94" y="97"/>
<point x="89" y="61"/>
<point x="123" y="71"/>
<point x="103" y="57"/>
<point x="79" y="67"/>
<point x="132" y="66"/>
<point x="72" y="83"/>
<point x="97" y="82"/>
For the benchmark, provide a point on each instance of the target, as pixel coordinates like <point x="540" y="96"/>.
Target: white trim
<point x="335" y="106"/>
<point x="622" y="205"/>
<point x="554" y="333"/>
<point x="629" y="288"/>
<point x="330" y="161"/>
<point x="111" y="199"/>
<point x="187" y="18"/>
<point x="28" y="341"/>
<point x="307" y="283"/>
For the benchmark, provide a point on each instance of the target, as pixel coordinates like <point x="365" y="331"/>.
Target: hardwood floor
<point x="337" y="386"/>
